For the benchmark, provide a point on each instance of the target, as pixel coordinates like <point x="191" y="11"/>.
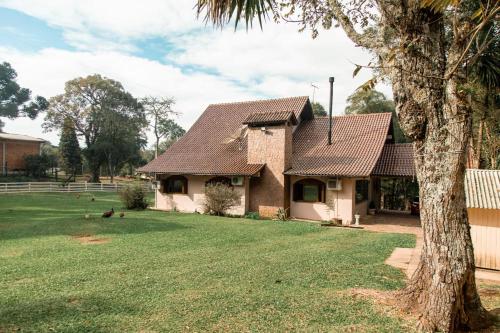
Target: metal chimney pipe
<point x="331" y="79"/>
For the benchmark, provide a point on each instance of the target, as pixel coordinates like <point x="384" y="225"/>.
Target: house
<point x="482" y="192"/>
<point x="275" y="153"/>
<point x="13" y="149"/>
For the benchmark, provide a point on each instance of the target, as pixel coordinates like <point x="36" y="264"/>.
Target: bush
<point x="282" y="214"/>
<point x="219" y="198"/>
<point x="252" y="216"/>
<point x="134" y="197"/>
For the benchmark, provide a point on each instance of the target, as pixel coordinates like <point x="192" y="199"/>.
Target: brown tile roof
<point x="396" y="160"/>
<point x="270" y="118"/>
<point x="357" y="141"/>
<point x="482" y="188"/>
<point x="202" y="151"/>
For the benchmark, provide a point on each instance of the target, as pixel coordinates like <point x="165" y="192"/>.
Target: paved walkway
<point x="407" y="258"/>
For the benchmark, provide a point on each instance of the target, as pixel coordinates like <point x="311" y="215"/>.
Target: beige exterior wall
<point x="193" y="201"/>
<point x="485" y="233"/>
<point x="272" y="146"/>
<point x="338" y="204"/>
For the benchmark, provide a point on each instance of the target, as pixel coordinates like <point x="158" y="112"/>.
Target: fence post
<point x="116" y="187"/>
<point x="69" y="187"/>
<point x="102" y="188"/>
<point x="29" y="187"/>
<point x="85" y="186"/>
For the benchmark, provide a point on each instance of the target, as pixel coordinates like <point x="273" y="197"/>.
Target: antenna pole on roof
<point x="331" y="79"/>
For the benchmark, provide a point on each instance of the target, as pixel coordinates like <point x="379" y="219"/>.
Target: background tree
<point x="89" y="103"/>
<point x="424" y="49"/>
<point x="364" y="101"/>
<point x="159" y="110"/>
<point x="121" y="140"/>
<point x="318" y="110"/>
<point x="171" y="132"/>
<point x="484" y="87"/>
<point x="14" y="100"/>
<point x="69" y="150"/>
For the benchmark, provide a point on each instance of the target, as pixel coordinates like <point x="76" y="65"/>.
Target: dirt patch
<point x="90" y="239"/>
<point x="386" y="302"/>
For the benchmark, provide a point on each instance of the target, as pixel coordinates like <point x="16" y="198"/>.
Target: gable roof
<point x="482" y="188"/>
<point x="19" y="137"/>
<point x="201" y="150"/>
<point x="357" y="142"/>
<point x="396" y="160"/>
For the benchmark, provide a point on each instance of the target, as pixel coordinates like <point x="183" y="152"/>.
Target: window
<point x="362" y="190"/>
<point x="175" y="184"/>
<point x="219" y="180"/>
<point x="309" y="190"/>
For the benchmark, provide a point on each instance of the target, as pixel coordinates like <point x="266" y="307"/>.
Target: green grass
<point x="184" y="272"/>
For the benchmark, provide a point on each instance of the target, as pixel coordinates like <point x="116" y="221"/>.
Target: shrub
<point x="252" y="216"/>
<point x="134" y="197"/>
<point x="282" y="214"/>
<point x="219" y="198"/>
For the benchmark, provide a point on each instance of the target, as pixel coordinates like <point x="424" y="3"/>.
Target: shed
<point x="13" y="149"/>
<point x="482" y="191"/>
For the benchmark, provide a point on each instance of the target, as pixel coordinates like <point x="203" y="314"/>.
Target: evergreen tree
<point x="69" y="148"/>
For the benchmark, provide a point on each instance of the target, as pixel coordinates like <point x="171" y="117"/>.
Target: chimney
<point x="331" y="79"/>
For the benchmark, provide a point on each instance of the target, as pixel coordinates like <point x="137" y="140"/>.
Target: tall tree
<point x="485" y="85"/>
<point x="69" y="149"/>
<point x="364" y="101"/>
<point x="121" y="140"/>
<point x="318" y="109"/>
<point x="88" y="102"/>
<point x="423" y="48"/>
<point x="14" y="100"/>
<point x="159" y="110"/>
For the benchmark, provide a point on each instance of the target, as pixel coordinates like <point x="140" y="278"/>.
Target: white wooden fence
<point x="68" y="187"/>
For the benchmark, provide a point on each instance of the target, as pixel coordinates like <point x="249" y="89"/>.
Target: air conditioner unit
<point x="237" y="181"/>
<point x="334" y="184"/>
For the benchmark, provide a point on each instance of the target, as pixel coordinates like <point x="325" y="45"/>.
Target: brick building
<point x="275" y="154"/>
<point x="13" y="149"/>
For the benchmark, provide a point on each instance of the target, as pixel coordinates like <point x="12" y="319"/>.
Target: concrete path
<point x="407" y="258"/>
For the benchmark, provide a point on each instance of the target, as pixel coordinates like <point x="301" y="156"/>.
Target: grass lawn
<point x="155" y="271"/>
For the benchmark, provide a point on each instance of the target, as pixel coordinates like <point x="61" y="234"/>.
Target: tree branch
<point x="348" y="27"/>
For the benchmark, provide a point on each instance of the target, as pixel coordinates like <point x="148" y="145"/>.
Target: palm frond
<point x="220" y="12"/>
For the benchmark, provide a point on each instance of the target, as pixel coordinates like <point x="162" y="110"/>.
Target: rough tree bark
<point x="435" y="113"/>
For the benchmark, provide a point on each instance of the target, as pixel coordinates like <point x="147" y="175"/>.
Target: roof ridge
<point x="354" y="115"/>
<point x="259" y="100"/>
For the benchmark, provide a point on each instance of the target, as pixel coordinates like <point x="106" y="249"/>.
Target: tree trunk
<point x="434" y="113"/>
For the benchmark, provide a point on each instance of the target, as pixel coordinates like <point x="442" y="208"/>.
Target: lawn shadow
<point x="62" y="314"/>
<point x="56" y="224"/>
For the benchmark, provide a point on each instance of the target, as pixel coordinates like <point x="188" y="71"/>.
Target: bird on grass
<point x="93" y="199"/>
<point x="122" y="215"/>
<point x="108" y="213"/>
<point x="78" y="196"/>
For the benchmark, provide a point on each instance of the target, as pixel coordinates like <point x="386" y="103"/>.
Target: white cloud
<point x="276" y="62"/>
<point x="45" y="72"/>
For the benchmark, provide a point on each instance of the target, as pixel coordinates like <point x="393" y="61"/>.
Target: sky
<point x="160" y="48"/>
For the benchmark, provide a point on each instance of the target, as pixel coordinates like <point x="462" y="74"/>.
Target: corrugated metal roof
<point x="19" y="137"/>
<point x="482" y="188"/>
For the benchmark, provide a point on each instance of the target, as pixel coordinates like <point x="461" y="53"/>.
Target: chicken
<point x="122" y="215"/>
<point x="93" y="199"/>
<point x="108" y="213"/>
